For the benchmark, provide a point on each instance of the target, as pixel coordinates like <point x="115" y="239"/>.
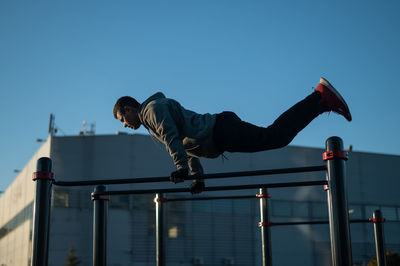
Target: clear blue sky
<point x="257" y="58"/>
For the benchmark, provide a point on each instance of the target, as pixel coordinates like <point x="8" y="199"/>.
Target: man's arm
<point x="196" y="169"/>
<point x="195" y="166"/>
<point x="163" y="126"/>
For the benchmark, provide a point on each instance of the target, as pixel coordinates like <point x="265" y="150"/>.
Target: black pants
<point x="234" y="135"/>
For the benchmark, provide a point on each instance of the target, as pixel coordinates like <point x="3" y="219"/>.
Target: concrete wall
<point x="16" y="210"/>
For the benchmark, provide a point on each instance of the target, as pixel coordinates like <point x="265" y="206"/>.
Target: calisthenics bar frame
<point x="205" y="176"/>
<point x="266" y="224"/>
<point x="217" y="188"/>
<point x="160" y="212"/>
<point x="338" y="218"/>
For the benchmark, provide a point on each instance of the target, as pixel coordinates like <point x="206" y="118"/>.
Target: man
<point x="188" y="135"/>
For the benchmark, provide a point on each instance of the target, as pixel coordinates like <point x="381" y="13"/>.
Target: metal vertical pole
<point x="160" y="224"/>
<point x="265" y="228"/>
<point x="337" y="202"/>
<point x="379" y="238"/>
<point x="100" y="213"/>
<point x="41" y="212"/>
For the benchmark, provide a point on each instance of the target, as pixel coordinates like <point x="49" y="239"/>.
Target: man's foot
<point x="197" y="187"/>
<point x="332" y="100"/>
<point x="179" y="175"/>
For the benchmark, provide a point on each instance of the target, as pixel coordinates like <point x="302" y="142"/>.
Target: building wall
<point x="16" y="209"/>
<point x="212" y="232"/>
<point x="206" y="230"/>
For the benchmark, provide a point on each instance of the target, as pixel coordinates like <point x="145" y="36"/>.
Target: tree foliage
<point x="392" y="259"/>
<point x="72" y="259"/>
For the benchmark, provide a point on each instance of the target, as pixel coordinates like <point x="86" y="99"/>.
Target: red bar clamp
<point x="43" y="175"/>
<point x="263" y="195"/>
<point x="262" y="224"/>
<point x="377" y="220"/>
<point x="100" y="197"/>
<point x="160" y="200"/>
<point x="335" y="155"/>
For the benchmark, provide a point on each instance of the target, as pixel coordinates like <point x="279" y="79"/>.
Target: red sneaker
<point x="332" y="99"/>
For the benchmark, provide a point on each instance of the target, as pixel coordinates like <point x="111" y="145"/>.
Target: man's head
<point x="126" y="111"/>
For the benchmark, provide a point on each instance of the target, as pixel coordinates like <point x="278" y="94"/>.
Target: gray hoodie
<point x="186" y="134"/>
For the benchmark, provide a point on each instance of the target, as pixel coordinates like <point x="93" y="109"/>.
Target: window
<point x="173" y="232"/>
<point x="175" y="224"/>
<point x="60" y="198"/>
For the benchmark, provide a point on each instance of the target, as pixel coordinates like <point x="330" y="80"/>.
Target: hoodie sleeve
<point x="195" y="166"/>
<point x="160" y="122"/>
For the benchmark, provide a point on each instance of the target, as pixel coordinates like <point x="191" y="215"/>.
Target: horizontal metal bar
<point x="360" y="221"/>
<point x="237" y="187"/>
<point x="206" y="176"/>
<point x="213" y="198"/>
<point x="316" y="222"/>
<point x="299" y="223"/>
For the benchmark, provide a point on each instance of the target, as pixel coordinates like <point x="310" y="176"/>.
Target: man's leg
<point x="234" y="135"/>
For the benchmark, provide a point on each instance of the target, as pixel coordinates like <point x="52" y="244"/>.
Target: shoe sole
<point x="326" y="83"/>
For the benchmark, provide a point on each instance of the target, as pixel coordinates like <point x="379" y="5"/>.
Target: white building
<point x="221" y="232"/>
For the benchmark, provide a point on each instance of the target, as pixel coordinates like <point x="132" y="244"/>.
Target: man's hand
<point x="179" y="175"/>
<point x="197" y="187"/>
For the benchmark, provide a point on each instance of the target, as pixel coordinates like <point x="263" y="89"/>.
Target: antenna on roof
<point x="52" y="128"/>
<point x="86" y="132"/>
<point x="92" y="128"/>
